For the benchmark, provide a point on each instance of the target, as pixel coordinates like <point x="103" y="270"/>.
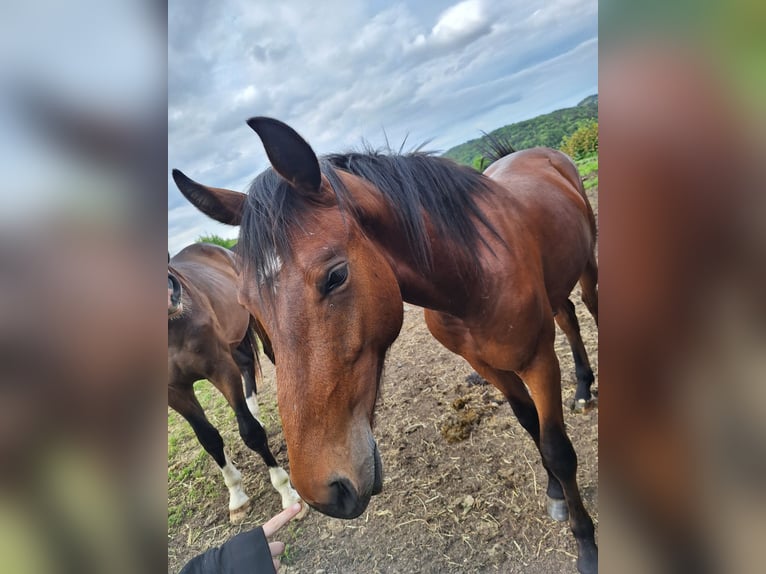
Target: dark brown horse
<point x="330" y="250"/>
<point x="211" y="336"/>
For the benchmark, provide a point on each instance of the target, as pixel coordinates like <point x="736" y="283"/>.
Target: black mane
<point x="414" y="184"/>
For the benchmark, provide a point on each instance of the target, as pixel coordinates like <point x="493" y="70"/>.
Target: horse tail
<point x="495" y="147"/>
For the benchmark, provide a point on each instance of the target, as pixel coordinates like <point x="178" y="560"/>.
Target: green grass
<point x="591" y="183"/>
<point x="172" y="444"/>
<point x="177" y="514"/>
<point x="292" y="552"/>
<point x="587" y="165"/>
<point x="188" y="485"/>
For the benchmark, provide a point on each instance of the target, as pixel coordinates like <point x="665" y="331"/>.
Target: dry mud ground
<point x="476" y="505"/>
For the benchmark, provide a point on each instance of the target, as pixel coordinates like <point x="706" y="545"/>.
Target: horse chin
<point x="377" y="485"/>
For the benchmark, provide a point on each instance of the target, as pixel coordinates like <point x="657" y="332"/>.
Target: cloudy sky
<point x="340" y="71"/>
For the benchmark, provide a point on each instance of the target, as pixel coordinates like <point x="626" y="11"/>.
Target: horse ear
<point x="221" y="204"/>
<point x="289" y="154"/>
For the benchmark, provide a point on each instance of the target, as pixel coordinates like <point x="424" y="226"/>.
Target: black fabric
<point x="245" y="553"/>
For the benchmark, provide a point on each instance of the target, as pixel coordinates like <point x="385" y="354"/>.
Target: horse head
<point x="330" y="301"/>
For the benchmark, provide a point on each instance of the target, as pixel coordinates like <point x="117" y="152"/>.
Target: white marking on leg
<point x="281" y="482"/>
<point x="252" y="404"/>
<point x="233" y="479"/>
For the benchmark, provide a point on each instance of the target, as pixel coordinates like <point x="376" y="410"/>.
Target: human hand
<point x="273" y="525"/>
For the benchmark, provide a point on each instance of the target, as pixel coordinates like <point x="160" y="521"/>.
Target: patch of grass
<point x="185" y="488"/>
<point x="587" y="165"/>
<point x="591" y="183"/>
<point x="172" y="444"/>
<point x="292" y="552"/>
<point x="181" y="473"/>
<point x="189" y="484"/>
<point x="176" y="515"/>
<point x="205" y="391"/>
<point x="217" y="410"/>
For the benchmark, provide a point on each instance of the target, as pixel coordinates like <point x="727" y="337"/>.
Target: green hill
<point x="545" y="130"/>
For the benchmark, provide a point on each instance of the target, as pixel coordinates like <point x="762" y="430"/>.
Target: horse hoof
<point x="288" y="501"/>
<point x="238" y="515"/>
<point x="304" y="511"/>
<point x="582" y="406"/>
<point x="557" y="509"/>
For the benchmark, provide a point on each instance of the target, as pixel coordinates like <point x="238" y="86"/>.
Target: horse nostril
<point x="344" y="499"/>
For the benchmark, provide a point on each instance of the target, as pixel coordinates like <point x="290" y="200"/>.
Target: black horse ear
<point x="221" y="204"/>
<point x="289" y="154"/>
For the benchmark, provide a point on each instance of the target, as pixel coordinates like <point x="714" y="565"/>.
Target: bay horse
<point x="495" y="148"/>
<point x="332" y="246"/>
<point x="211" y="336"/>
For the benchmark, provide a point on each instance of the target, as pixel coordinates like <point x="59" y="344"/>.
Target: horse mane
<point x="413" y="184"/>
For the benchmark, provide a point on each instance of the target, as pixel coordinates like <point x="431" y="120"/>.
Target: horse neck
<point x="440" y="287"/>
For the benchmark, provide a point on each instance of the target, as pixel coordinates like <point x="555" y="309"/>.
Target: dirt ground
<point x="471" y="505"/>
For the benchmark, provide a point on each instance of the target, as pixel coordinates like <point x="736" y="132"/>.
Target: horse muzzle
<point x="347" y="501"/>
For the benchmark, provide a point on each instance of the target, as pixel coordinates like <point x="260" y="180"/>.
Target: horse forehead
<point x="270" y="266"/>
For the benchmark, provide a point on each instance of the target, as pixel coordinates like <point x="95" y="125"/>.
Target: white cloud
<point x="460" y="21"/>
<point x="246" y="95"/>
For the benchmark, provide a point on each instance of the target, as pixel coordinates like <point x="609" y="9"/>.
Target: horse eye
<point x="336" y="278"/>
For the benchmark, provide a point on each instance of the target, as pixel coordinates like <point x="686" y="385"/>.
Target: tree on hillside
<point x="545" y="130"/>
<point x="583" y="142"/>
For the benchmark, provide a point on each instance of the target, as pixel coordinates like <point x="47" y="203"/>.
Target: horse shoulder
<point x="509" y="320"/>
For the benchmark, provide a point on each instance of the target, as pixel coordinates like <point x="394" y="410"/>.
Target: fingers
<point x="278" y="521"/>
<point x="276" y="549"/>
<point x="272" y="526"/>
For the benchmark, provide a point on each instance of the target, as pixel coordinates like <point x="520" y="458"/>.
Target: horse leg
<point x="521" y="403"/>
<point x="453" y="334"/>
<point x="566" y="318"/>
<point x="254" y="436"/>
<point x="245" y="355"/>
<point x="543" y="378"/>
<point x="588" y="284"/>
<point x="185" y="404"/>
